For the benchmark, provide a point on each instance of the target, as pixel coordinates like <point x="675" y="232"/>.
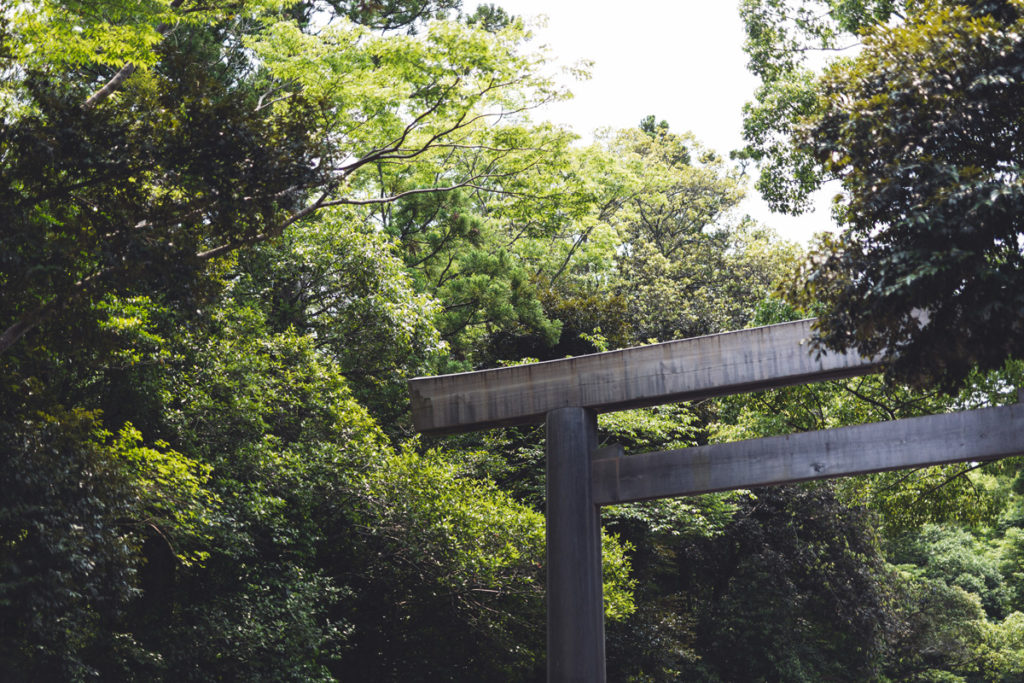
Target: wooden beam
<point x="575" y="583"/>
<point x="975" y="435"/>
<point x="688" y="369"/>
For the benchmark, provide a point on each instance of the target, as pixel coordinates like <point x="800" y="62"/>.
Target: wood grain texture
<point x="575" y="583"/>
<point x="687" y="369"/>
<point x="974" y="435"/>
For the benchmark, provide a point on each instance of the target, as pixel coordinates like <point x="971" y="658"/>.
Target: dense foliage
<point x="921" y="127"/>
<point x="229" y="232"/>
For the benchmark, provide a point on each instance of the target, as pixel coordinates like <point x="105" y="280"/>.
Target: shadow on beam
<point x="975" y="435"/>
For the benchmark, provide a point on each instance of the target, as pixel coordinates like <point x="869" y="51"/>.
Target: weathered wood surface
<point x="975" y="435"/>
<point x="575" y="584"/>
<point x="687" y="369"/>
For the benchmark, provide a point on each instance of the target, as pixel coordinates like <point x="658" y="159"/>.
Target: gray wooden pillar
<point x="574" y="590"/>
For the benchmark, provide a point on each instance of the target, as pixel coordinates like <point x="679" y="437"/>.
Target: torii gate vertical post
<point x="569" y="393"/>
<point x="574" y="588"/>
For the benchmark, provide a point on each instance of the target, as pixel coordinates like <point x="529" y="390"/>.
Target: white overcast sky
<point x="681" y="61"/>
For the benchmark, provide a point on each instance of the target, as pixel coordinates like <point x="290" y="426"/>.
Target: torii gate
<point x="568" y="394"/>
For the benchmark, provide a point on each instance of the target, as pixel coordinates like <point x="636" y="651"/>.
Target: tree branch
<point x="948" y="480"/>
<point x="115" y="83"/>
<point x="111" y="86"/>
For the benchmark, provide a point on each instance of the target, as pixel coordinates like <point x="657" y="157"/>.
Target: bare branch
<point x="395" y="197"/>
<point x="948" y="480"/>
<point x="867" y="399"/>
<point x="115" y="83"/>
<point x="263" y="236"/>
<point x="111" y="86"/>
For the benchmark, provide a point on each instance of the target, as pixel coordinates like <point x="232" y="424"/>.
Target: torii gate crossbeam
<point x="569" y="393"/>
<point x="973" y="435"/>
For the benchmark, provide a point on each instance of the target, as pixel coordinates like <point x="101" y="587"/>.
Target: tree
<point x="650" y="248"/>
<point x="466" y="260"/>
<point x="345" y="286"/>
<point x="795" y="583"/>
<point x="921" y="128"/>
<point x="781" y="37"/>
<point x="86" y="517"/>
<point x="687" y="265"/>
<point x="146" y="189"/>
<point x="924" y="130"/>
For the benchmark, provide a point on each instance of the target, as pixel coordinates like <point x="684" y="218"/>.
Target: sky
<point x="682" y="61"/>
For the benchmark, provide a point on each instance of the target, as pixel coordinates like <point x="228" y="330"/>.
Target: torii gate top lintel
<point x="687" y="369"/>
